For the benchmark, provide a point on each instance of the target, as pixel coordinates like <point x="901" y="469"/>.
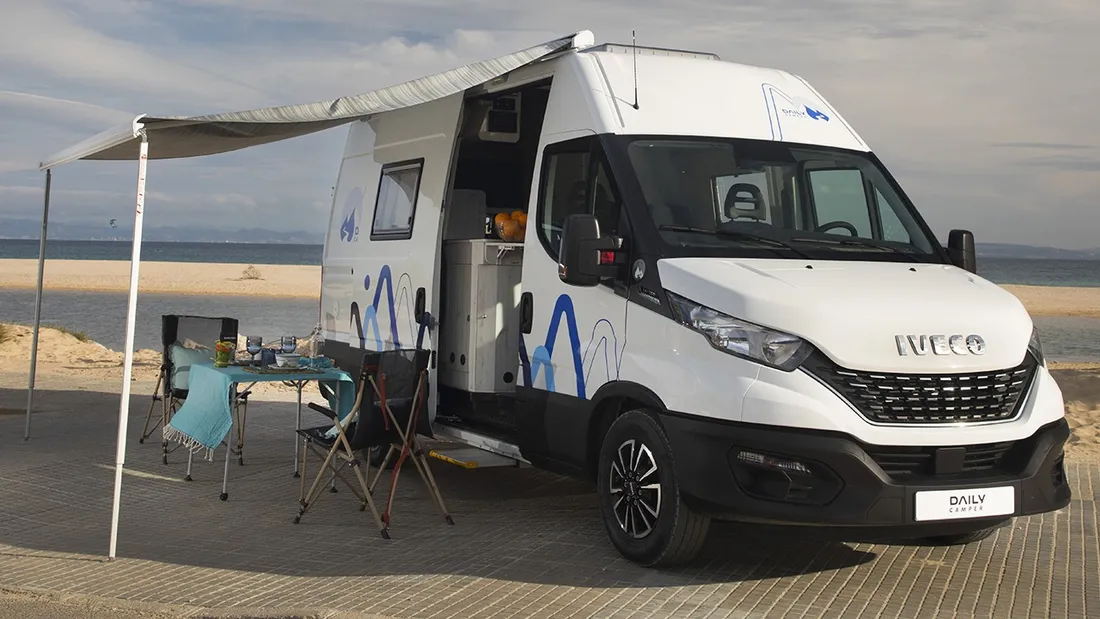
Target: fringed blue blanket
<point x="206" y="417"/>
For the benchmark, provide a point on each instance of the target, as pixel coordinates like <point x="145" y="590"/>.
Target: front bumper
<point x="842" y="482"/>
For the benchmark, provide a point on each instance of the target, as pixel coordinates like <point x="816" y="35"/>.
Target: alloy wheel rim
<point x="635" y="488"/>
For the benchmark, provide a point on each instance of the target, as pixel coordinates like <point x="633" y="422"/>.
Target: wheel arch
<point x="611" y="400"/>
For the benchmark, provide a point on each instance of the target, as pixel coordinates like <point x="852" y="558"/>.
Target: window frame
<point x="795" y="202"/>
<point x="403" y="234"/>
<point x="587" y="145"/>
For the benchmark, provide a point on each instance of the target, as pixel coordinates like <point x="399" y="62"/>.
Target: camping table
<point x="206" y="417"/>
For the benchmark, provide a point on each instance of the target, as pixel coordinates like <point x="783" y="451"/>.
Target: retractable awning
<point x="177" y="137"/>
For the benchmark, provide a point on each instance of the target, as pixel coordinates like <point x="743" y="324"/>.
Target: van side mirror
<point x="960" y="248"/>
<point x="585" y="257"/>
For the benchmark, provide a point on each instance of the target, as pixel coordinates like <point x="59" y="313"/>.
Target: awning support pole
<point x="131" y="319"/>
<point x="38" y="303"/>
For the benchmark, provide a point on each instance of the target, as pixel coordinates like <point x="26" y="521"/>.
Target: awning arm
<point x="38" y="304"/>
<point x="131" y="320"/>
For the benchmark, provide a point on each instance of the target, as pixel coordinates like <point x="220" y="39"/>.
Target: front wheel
<point x="640" y="501"/>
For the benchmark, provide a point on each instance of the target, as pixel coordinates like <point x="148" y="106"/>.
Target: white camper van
<point x="714" y="302"/>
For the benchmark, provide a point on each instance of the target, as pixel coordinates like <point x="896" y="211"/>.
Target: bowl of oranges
<point x="511" y="227"/>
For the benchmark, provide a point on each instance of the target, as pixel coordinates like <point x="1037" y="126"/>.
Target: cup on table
<point x="254" y="344"/>
<point x="288" y="343"/>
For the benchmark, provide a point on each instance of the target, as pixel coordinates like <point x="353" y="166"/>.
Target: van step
<point x="477" y="440"/>
<point x="471" y="458"/>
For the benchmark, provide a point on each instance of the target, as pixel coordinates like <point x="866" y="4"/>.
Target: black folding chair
<point x="185" y="340"/>
<point x="389" y="410"/>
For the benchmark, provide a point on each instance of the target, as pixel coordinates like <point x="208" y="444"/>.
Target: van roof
<point x="681" y="92"/>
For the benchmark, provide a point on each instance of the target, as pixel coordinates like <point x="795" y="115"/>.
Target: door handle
<point x="419" y="305"/>
<point x="526" y="312"/>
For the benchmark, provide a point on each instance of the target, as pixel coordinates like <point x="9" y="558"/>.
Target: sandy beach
<point x="282" y="280"/>
<point x="304" y="282"/>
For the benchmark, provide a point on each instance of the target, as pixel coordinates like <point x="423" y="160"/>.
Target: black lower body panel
<point x="788" y="476"/>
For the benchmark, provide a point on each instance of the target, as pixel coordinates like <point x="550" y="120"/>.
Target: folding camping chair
<point x="178" y="333"/>
<point x="389" y="411"/>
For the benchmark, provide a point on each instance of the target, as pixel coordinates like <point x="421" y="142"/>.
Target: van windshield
<point x="736" y="198"/>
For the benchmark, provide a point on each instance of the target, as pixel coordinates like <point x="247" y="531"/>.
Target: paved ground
<point x="525" y="543"/>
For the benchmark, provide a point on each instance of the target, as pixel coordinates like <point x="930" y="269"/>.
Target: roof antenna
<point x="634" y="45"/>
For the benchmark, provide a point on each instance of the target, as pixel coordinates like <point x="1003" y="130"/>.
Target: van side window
<point x="576" y="180"/>
<point x="892" y="227"/>
<point x="565" y="194"/>
<point x="395" y="204"/>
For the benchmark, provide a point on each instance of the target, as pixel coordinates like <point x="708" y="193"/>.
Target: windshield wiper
<point x="736" y="234"/>
<point x="858" y="242"/>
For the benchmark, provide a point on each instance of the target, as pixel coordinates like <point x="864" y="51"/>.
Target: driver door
<point x="573" y="337"/>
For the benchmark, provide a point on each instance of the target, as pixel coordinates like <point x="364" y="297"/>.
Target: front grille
<point x="928" y="398"/>
<point x="903" y="462"/>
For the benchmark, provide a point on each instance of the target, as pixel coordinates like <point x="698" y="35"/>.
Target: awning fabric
<point x="178" y="137"/>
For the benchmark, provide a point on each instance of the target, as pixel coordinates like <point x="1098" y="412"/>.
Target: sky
<point x="985" y="110"/>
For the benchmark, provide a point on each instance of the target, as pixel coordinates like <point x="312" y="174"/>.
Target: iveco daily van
<point x="691" y="282"/>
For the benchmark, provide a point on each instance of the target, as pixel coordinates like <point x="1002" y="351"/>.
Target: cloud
<point x="983" y="110"/>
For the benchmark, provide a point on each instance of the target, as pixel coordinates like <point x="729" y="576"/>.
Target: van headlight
<point x="1035" y="347"/>
<point x="741" y="338"/>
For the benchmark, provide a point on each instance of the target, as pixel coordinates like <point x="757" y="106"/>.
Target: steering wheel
<point x="837" y="224"/>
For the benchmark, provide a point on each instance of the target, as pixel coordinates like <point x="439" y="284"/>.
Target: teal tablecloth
<point x="205" y="418"/>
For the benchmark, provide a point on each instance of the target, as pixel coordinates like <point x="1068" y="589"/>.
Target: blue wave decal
<point x="541" y="358"/>
<point x="385" y="278"/>
<point x="595" y="345"/>
<point x="368" y="318"/>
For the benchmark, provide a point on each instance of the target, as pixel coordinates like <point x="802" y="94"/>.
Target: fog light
<point x="792" y="466"/>
<point x="774" y="477"/>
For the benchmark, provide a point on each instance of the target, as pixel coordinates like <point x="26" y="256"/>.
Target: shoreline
<point x="177" y="278"/>
<point x="304" y="282"/>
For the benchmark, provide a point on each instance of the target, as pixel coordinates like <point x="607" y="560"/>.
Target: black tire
<point x="969" y="537"/>
<point x="676" y="534"/>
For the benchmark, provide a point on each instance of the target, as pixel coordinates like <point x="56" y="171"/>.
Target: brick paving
<point x="525" y="543"/>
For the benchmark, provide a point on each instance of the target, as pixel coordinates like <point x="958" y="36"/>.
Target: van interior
<point x="479" y="331"/>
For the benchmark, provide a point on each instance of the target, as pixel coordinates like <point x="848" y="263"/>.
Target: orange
<point x="521" y="217"/>
<point x="509" y="229"/>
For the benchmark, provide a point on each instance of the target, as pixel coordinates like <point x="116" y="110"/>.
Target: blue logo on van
<point x="352" y="216"/>
<point x="781" y="106"/>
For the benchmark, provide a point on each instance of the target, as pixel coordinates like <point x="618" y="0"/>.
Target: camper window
<point x="395" y="206"/>
<point x="576" y="180"/>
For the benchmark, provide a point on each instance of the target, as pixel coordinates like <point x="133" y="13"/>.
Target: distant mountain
<point x="1029" y="252"/>
<point x="30" y="229"/>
